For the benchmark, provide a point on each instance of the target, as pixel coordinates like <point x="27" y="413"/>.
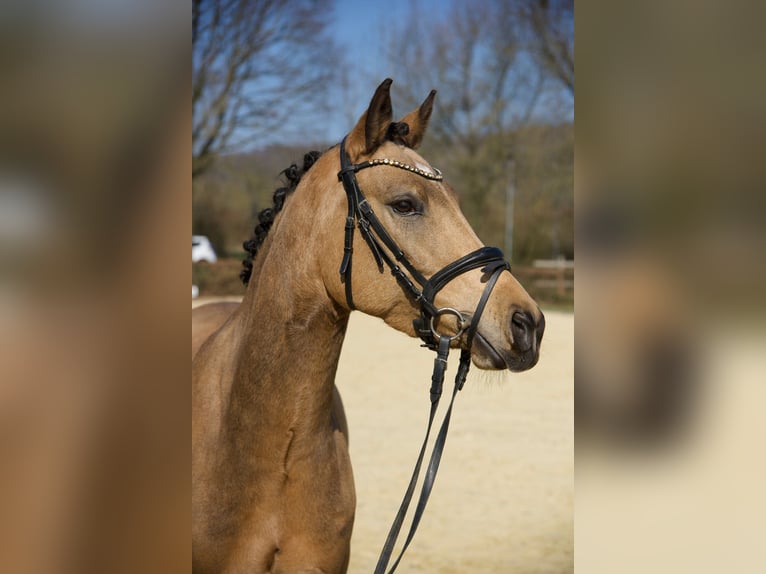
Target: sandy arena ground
<point x="503" y="499"/>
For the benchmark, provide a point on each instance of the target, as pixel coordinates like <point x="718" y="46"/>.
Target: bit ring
<point x="451" y="311"/>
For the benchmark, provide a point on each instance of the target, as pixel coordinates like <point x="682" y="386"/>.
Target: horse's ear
<point x="417" y="120"/>
<point x="370" y="131"/>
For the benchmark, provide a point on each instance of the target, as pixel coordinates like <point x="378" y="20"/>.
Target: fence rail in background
<point x="548" y="280"/>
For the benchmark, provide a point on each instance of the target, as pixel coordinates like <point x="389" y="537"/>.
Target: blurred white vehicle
<point x="202" y="250"/>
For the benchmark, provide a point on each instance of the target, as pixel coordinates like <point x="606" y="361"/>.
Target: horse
<point x="272" y="483"/>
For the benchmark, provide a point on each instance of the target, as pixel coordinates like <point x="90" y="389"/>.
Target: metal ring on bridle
<point x="460" y="322"/>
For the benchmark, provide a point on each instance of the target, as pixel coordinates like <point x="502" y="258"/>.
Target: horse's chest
<point x="304" y="531"/>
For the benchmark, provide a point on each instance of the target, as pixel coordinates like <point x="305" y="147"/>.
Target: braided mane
<point x="293" y="175"/>
<point x="396" y="133"/>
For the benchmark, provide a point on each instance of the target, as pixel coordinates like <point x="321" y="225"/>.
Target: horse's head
<point x="420" y="213"/>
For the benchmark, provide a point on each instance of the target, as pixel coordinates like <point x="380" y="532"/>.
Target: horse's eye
<point x="404" y="206"/>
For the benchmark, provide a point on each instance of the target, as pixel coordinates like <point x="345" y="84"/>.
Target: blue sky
<point x="359" y="28"/>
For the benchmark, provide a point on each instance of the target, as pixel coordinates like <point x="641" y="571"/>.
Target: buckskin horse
<point x="272" y="486"/>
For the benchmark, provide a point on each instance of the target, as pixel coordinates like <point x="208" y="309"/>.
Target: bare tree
<point x="474" y="54"/>
<point x="255" y="62"/>
<point x="484" y="58"/>
<point x="551" y="23"/>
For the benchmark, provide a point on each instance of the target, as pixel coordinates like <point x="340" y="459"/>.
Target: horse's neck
<point x="284" y="372"/>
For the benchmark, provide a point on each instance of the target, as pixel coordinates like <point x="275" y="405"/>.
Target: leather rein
<point x="423" y="292"/>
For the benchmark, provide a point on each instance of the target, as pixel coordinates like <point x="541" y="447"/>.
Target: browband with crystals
<point x="435" y="175"/>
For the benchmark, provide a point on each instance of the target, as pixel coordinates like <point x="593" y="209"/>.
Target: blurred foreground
<point x="671" y="274"/>
<point x="94" y="214"/>
<point x="94" y="226"/>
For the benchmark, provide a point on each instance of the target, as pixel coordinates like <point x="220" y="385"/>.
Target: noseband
<point x="423" y="292"/>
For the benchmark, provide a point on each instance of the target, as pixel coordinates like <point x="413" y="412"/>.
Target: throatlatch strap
<point x="361" y="212"/>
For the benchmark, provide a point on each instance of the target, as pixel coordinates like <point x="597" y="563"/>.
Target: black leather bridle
<point x="423" y="292"/>
<point x="361" y="215"/>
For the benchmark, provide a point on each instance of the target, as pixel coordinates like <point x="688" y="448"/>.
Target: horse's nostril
<point x="522" y="320"/>
<point x="523" y="328"/>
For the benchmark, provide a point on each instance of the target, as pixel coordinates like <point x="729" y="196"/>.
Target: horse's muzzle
<point x="519" y="351"/>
